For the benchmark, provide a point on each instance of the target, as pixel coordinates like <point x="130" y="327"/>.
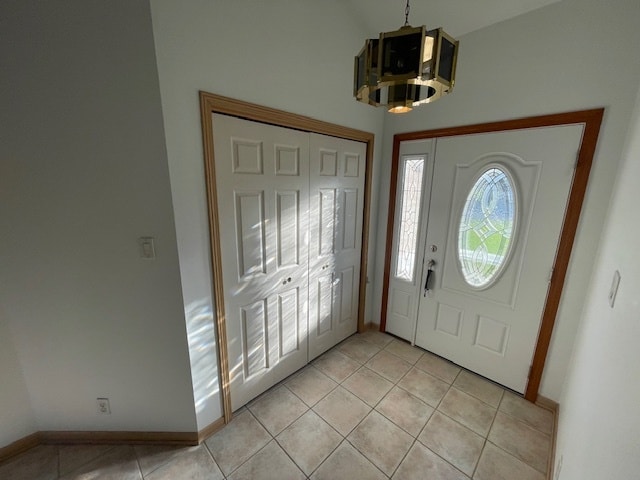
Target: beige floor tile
<point x="438" y="367"/>
<point x="468" y="410"/>
<point x="376" y="337"/>
<point x="346" y="463"/>
<point x="72" y="457"/>
<point x="39" y="463"/>
<point x="539" y="418"/>
<point x="270" y="463"/>
<point x="358" y="349"/>
<point x="408" y="412"/>
<point x="336" y="365"/>
<point x="426" y="387"/>
<point x="342" y="410"/>
<point x="404" y="350"/>
<point x="310" y="385"/>
<point x="151" y="457"/>
<point x="381" y="441"/>
<point x="236" y="442"/>
<point x="422" y="464"/>
<point x="194" y="463"/>
<point x="521" y="440"/>
<point x="367" y="385"/>
<point x="455" y="443"/>
<point x="119" y="463"/>
<point x="479" y="387"/>
<point x="277" y="409"/>
<point x="496" y="464"/>
<point x="388" y="365"/>
<point x="308" y="441"/>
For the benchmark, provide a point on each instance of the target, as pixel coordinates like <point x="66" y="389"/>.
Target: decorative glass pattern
<point x="412" y="173"/>
<point x="486" y="228"/>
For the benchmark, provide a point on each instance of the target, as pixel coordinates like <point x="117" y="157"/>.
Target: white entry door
<point x="263" y="189"/>
<point x="497" y="205"/>
<point x="337" y="173"/>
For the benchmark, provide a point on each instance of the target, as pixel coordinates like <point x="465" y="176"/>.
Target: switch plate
<point x="147" y="247"/>
<point x="613" y="291"/>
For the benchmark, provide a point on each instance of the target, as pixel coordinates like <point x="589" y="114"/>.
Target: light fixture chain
<point x="406" y="14"/>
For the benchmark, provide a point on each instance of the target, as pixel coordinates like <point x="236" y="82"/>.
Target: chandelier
<point x="405" y="68"/>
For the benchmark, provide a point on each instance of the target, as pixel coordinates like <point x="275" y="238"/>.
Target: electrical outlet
<point x="103" y="406"/>
<point x="558" y="469"/>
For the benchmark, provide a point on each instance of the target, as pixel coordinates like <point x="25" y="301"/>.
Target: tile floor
<point x="371" y="408"/>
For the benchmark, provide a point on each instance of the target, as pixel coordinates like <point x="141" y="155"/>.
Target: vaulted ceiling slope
<point x="457" y="17"/>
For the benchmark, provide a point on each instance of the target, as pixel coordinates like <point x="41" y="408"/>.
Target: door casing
<point x="211" y="103"/>
<point x="592" y="119"/>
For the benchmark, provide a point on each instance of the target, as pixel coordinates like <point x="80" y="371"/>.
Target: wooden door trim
<point x="592" y="120"/>
<point x="210" y="104"/>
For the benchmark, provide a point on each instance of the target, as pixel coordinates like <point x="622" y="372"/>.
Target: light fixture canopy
<point x="405" y="68"/>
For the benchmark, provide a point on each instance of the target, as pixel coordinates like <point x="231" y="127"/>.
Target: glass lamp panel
<point x="447" y="58"/>
<point x="401" y="54"/>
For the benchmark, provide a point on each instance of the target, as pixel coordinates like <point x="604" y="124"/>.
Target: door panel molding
<point x="592" y="120"/>
<point x="210" y="104"/>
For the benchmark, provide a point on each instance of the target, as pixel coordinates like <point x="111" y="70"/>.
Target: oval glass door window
<point x="486" y="228"/>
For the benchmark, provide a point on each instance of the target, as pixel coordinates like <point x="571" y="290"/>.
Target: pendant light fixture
<point x="405" y="68"/>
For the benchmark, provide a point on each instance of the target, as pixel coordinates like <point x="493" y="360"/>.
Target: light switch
<point x="147" y="247"/>
<point x="613" y="291"/>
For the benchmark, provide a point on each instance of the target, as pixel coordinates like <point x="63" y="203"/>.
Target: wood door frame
<point x="210" y="104"/>
<point x="591" y="119"/>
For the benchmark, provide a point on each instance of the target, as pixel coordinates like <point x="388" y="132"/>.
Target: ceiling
<point x="457" y="17"/>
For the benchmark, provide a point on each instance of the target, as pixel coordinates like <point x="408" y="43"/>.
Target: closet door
<point x="262" y="182"/>
<point x="336" y="203"/>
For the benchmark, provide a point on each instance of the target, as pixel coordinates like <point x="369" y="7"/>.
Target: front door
<point x="497" y="204"/>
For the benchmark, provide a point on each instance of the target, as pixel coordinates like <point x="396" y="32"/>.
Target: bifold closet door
<point x="290" y="209"/>
<point x="336" y="204"/>
<point x="262" y="179"/>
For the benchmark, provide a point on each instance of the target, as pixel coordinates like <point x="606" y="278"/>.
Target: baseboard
<point x="135" y="438"/>
<point x="210" y="429"/>
<point x="101" y="438"/>
<point x="554" y="407"/>
<point x="19" y="446"/>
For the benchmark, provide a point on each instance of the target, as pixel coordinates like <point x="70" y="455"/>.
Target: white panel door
<point x="262" y="182"/>
<point x="492" y="328"/>
<point x="413" y="193"/>
<point x="336" y="203"/>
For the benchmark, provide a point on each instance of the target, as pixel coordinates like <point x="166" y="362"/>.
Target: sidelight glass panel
<point x="412" y="169"/>
<point x="486" y="228"/>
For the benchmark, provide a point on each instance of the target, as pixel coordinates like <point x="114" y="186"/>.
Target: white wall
<point x="84" y="174"/>
<point x="599" y="428"/>
<point x="572" y="55"/>
<point x="295" y="56"/>
<point x="16" y="415"/>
